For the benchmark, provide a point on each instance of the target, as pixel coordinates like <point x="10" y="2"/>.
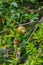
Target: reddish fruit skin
<point x="16" y="41"/>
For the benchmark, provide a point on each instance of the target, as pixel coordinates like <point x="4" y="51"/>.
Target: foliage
<point x="21" y="32"/>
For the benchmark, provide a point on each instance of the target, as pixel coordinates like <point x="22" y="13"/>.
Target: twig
<point x="36" y="28"/>
<point x="7" y="29"/>
<point x="30" y="38"/>
<point x="22" y="24"/>
<point x="32" y="10"/>
<point x="41" y="2"/>
<point x="18" y="25"/>
<point x="40" y="19"/>
<point x="31" y="34"/>
<point x="4" y="31"/>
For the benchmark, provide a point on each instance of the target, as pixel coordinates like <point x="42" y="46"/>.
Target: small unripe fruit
<point x="21" y="29"/>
